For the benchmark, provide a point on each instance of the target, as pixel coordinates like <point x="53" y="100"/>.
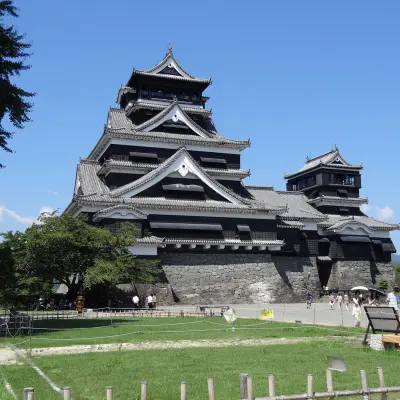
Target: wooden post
<point x="210" y="384"/>
<point x="310" y="386"/>
<point x="364" y="385"/>
<point x="329" y="382"/>
<point x="381" y="382"/>
<point x="109" y="392"/>
<point x="271" y="385"/>
<point x="143" y="391"/>
<point x="25" y="392"/>
<point x="66" y="393"/>
<point x="243" y="387"/>
<point x="183" y="390"/>
<point x="249" y="388"/>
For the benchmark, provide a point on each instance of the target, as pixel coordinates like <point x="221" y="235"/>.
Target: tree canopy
<point x="66" y="249"/>
<point x="13" y="51"/>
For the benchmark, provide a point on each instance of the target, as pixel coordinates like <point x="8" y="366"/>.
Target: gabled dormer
<point x="329" y="181"/>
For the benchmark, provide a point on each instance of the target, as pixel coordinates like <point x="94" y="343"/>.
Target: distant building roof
<point x="332" y="159"/>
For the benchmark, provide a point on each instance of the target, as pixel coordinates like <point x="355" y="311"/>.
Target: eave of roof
<point x="355" y="200"/>
<point x="130" y="165"/>
<point x="182" y="140"/>
<point x="147" y="105"/>
<point x="168" y="204"/>
<point x="335" y="221"/>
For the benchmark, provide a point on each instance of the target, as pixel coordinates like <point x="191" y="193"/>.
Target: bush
<point x="383" y="284"/>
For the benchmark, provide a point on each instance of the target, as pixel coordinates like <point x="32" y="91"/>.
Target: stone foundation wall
<point x="239" y="278"/>
<point x="346" y="274"/>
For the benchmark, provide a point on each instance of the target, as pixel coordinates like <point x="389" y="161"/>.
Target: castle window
<point x="120" y="157"/>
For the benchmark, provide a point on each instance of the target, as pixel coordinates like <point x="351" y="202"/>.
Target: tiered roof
<point x="90" y="189"/>
<point x="331" y="159"/>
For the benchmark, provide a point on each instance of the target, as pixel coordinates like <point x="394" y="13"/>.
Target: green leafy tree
<point x="13" y="52"/>
<point x="68" y="250"/>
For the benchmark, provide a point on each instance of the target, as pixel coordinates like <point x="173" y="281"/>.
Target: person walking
<point x="340" y="300"/>
<point x="150" y="301"/>
<point x="154" y="300"/>
<point x="356" y="312"/>
<point x="346" y="301"/>
<point x="331" y="301"/>
<point x="308" y="300"/>
<point x="392" y="299"/>
<point x="135" y="300"/>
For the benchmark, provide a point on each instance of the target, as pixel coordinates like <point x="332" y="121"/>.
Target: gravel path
<point x="7" y="356"/>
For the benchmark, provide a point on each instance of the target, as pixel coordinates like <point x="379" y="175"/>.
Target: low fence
<point x="246" y="389"/>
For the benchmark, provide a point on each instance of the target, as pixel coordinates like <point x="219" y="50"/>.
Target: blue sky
<point x="296" y="77"/>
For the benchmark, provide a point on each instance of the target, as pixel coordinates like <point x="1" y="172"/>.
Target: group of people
<point x="335" y="297"/>
<point x="151" y="301"/>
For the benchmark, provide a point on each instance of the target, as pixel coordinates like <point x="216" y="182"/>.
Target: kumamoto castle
<point x="162" y="165"/>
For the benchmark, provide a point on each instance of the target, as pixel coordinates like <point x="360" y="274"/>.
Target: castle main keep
<point x="162" y="165"/>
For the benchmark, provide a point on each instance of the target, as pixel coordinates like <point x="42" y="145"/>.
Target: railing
<point x="246" y="389"/>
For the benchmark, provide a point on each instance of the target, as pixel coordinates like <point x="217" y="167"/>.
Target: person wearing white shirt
<point x="150" y="301"/>
<point x="154" y="301"/>
<point x="135" y="300"/>
<point x="392" y="299"/>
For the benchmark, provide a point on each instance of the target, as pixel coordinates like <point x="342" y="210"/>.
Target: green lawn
<point x="100" y="331"/>
<point x="89" y="374"/>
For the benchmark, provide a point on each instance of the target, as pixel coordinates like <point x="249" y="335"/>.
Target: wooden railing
<point x="246" y="389"/>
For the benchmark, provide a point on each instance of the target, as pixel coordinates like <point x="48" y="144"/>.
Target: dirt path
<point x="7" y="356"/>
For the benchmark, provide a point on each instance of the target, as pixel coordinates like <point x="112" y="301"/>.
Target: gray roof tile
<point x="296" y="202"/>
<point x="338" y="221"/>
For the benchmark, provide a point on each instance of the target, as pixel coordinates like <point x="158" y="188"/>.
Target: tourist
<point x="357" y="312"/>
<point x="135" y="300"/>
<point x="340" y="300"/>
<point x="372" y="300"/>
<point x="331" y="301"/>
<point x="309" y="300"/>
<point x="150" y="301"/>
<point x="346" y="301"/>
<point x="392" y="299"/>
<point x="154" y="300"/>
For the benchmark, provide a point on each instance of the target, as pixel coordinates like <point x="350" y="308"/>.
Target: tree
<point x="68" y="250"/>
<point x="13" y="100"/>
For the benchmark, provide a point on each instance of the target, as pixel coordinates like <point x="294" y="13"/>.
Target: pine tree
<point x="13" y="52"/>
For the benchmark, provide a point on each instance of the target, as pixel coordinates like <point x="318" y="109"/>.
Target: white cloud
<point x="54" y="193"/>
<point x="6" y="212"/>
<point x="385" y="214"/>
<point x="366" y="208"/>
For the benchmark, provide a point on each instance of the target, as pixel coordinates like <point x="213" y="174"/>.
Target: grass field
<point x="49" y="333"/>
<point x="88" y="374"/>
